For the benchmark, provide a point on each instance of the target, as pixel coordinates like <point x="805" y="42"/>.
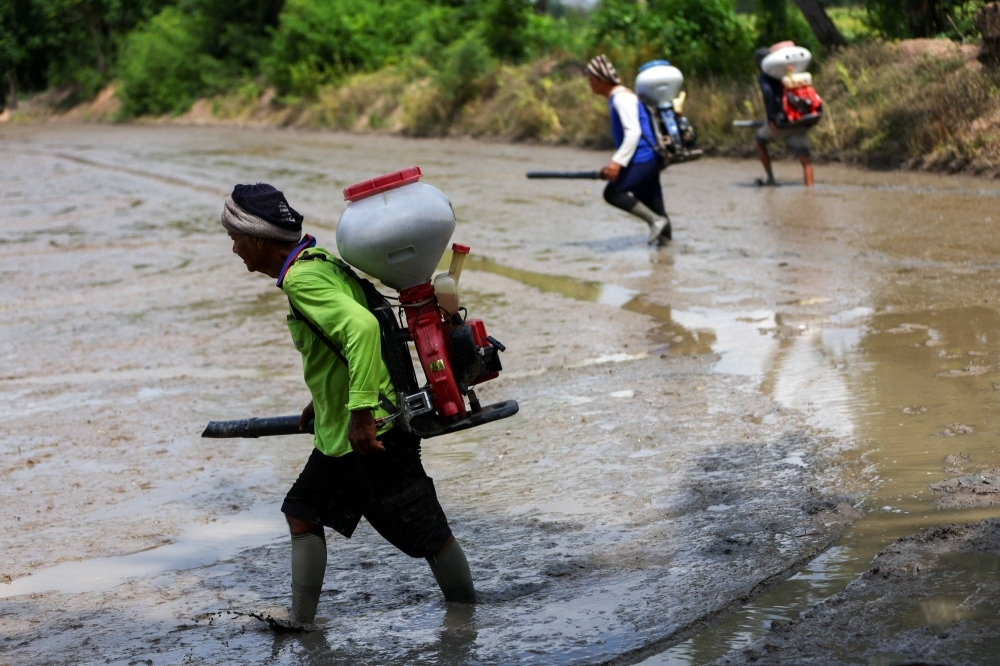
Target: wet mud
<point x="927" y="599"/>
<point x="976" y="489"/>
<point x="697" y="423"/>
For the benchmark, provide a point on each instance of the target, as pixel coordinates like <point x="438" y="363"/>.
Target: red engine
<point x="802" y="106"/>
<point x="455" y="354"/>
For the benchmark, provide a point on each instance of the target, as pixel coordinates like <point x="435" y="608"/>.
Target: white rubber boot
<point x="659" y="227"/>
<point x="308" y="569"/>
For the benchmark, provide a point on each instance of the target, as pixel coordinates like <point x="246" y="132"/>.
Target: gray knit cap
<point x="601" y="69"/>
<point x="262" y="211"/>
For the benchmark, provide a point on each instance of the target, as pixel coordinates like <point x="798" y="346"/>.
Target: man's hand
<point x="361" y="433"/>
<point x="610" y="172"/>
<point x="307" y="414"/>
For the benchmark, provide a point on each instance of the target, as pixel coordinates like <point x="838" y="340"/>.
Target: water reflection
<point x="895" y="382"/>
<point x="198" y="545"/>
<point x="458" y="634"/>
<point x="443" y="634"/>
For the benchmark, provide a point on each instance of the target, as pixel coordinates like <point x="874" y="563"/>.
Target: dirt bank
<point x="928" y="599"/>
<point x="922" y="104"/>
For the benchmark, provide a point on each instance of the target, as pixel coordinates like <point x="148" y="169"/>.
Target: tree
<point x="504" y="22"/>
<point x="822" y="26"/>
<point x="772" y="20"/>
<point x="780" y="20"/>
<point x="72" y="43"/>
<point x="902" y="19"/>
<point x="701" y="37"/>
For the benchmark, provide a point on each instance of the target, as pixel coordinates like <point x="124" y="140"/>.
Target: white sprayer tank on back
<point x="784" y="54"/>
<point x="395" y="228"/>
<point x="659" y="83"/>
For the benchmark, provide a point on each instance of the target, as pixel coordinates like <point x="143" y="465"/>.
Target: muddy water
<point x="697" y="422"/>
<point x="920" y="375"/>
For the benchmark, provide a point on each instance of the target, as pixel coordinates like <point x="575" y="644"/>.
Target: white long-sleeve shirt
<point x="627" y="106"/>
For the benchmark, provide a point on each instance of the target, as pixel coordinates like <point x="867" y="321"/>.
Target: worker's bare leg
<point x="807" y="170"/>
<point x="765" y="160"/>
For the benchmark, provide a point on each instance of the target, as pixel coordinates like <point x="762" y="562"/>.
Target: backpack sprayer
<point x="396" y="229"/>
<point x="800" y="103"/>
<point x="658" y="87"/>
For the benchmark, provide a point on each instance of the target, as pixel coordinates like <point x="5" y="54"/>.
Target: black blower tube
<point x="573" y="175"/>
<point x="257" y="427"/>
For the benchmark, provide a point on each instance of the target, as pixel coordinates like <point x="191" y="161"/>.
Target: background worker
<point x="633" y="174"/>
<point x="797" y="138"/>
<point x="355" y="468"/>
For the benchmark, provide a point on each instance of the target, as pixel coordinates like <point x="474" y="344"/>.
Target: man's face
<point x="595" y="85"/>
<point x="249" y="249"/>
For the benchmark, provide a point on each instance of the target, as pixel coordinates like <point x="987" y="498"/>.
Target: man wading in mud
<point x="797" y="138"/>
<point x="633" y="174"/>
<point x="355" y="469"/>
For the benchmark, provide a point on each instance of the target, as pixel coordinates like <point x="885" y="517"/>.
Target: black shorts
<point x="390" y="489"/>
<point x="797" y="138"/>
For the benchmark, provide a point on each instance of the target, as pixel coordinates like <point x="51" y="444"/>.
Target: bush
<point x="164" y="66"/>
<point x="504" y="23"/>
<point x="892" y="107"/>
<point x="517" y="111"/>
<point x="545" y="35"/>
<point x="364" y="101"/>
<point x="701" y="37"/>
<point x="901" y="19"/>
<point x="319" y="41"/>
<point x="437" y="28"/>
<point x="713" y="105"/>
<point x="466" y="70"/>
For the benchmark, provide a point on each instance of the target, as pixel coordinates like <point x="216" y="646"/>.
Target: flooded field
<point x="713" y="436"/>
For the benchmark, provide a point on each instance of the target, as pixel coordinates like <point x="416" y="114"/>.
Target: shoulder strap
<point x="394" y="354"/>
<point x="657" y="147"/>
<point x="318" y="332"/>
<point x="382" y="397"/>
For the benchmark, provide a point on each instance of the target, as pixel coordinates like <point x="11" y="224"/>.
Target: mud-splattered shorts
<point x="797" y="138"/>
<point x="390" y="489"/>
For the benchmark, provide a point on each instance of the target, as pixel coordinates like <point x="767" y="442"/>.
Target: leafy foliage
<point x="73" y="43"/>
<point x="165" y="66"/>
<point x="322" y="40"/>
<point x="166" y="53"/>
<point x="901" y="19"/>
<point x="699" y="36"/>
<point x="780" y="20"/>
<point x="504" y="24"/>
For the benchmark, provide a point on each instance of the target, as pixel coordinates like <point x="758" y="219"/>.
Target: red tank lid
<point x="461" y="249"/>
<point x="367" y="188"/>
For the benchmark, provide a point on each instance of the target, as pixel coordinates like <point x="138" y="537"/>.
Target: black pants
<point x="637" y="182"/>
<point x="389" y="488"/>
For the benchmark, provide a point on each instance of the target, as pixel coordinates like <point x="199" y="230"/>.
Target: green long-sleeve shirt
<point x="335" y="303"/>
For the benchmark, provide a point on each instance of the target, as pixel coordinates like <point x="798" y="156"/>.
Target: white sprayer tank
<point x="784" y="54"/>
<point x="658" y="83"/>
<point x="395" y="228"/>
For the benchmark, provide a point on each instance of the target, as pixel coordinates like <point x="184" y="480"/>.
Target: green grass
<point x="852" y="23"/>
